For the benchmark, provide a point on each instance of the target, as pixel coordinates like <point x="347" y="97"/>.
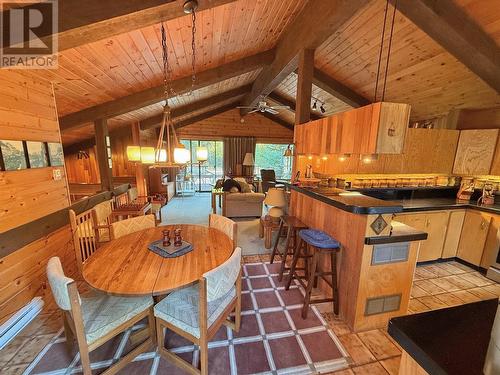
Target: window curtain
<point x="235" y="149"/>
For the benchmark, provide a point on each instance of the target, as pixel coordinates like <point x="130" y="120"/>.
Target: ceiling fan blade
<point x="241" y="106"/>
<point x="254" y="110"/>
<point x="280" y="107"/>
<point x="272" y="111"/>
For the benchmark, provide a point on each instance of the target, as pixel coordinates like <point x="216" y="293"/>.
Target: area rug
<point x="273" y="339"/>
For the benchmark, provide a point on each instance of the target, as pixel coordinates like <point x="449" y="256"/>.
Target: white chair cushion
<point x="102" y="313"/>
<point x="181" y="309"/>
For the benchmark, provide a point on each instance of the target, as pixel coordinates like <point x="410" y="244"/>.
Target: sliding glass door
<point x="205" y="174"/>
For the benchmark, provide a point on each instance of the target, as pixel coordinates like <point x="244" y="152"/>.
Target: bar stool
<point x="317" y="243"/>
<point x="294" y="225"/>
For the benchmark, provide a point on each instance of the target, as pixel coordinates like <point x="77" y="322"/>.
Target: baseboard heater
<point x="19" y="320"/>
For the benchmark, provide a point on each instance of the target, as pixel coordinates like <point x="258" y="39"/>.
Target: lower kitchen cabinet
<point x="492" y="243"/>
<point x="473" y="237"/>
<point x="453" y="233"/>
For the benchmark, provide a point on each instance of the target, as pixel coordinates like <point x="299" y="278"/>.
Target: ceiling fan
<point x="262" y="106"/>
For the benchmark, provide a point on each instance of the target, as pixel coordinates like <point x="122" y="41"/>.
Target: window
<point x="270" y="156"/>
<point x="205" y="174"/>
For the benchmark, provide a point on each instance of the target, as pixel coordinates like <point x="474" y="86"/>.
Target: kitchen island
<point x="378" y="255"/>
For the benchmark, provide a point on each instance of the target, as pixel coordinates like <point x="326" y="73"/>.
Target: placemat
<point x="170" y="251"/>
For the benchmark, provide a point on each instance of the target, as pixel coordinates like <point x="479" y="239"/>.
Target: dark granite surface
<point x="448" y="341"/>
<point x="422" y="204"/>
<point x="399" y="233"/>
<point x="351" y="201"/>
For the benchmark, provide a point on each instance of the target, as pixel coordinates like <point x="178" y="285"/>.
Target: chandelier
<point x="169" y="152"/>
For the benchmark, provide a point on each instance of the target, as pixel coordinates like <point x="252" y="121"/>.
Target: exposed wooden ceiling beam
<point x="155" y="94"/>
<point x="449" y="25"/>
<point x="277" y="120"/>
<point x="338" y="90"/>
<point x="99" y="19"/>
<point x="236" y="93"/>
<point x="90" y="142"/>
<point x="274" y="96"/>
<point x="204" y="115"/>
<point x="315" y="24"/>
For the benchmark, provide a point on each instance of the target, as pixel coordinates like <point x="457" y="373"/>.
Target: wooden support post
<point x="304" y="86"/>
<point x="140" y="180"/>
<point x="103" y="150"/>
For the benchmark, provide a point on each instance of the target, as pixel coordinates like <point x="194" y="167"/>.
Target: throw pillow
<point x="245" y="188"/>
<point x="230" y="183"/>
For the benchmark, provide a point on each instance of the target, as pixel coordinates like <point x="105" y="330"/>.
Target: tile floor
<point x="435" y="286"/>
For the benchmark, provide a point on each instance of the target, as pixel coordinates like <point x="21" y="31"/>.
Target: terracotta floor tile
<point x="392" y="340"/>
<point x="445" y="284"/>
<point x="251" y="259"/>
<point x="432" y="302"/>
<point x="358" y="352"/>
<point x="459" y="282"/>
<point x="416" y="291"/>
<point x="494" y="289"/>
<point x="319" y="346"/>
<point x="342" y="372"/>
<point x="424" y="274"/>
<point x="338" y="326"/>
<point x="461" y="266"/>
<point x="391" y="365"/>
<point x="286" y="352"/>
<point x="416" y="306"/>
<point x="7" y="353"/>
<point x="450" y="299"/>
<point x="466" y="297"/>
<point x="438" y="271"/>
<point x="476" y="279"/>
<point x="450" y="267"/>
<point x="482" y="293"/>
<point x="379" y="344"/>
<point x="31" y="348"/>
<point x="370" y="369"/>
<point x="429" y="287"/>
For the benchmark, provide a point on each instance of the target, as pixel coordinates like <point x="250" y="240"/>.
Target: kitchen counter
<point x="433" y="204"/>
<point x="399" y="233"/>
<point x="353" y="202"/>
<point x="447" y="341"/>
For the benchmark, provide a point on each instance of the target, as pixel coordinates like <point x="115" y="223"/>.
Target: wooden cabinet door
<point x="416" y="221"/>
<point x="388" y="128"/>
<point x="332" y="131"/>
<point x="473" y="237"/>
<point x="435" y="226"/>
<point x="492" y="243"/>
<point x="475" y="152"/>
<point x="453" y="232"/>
<point x="351" y="129"/>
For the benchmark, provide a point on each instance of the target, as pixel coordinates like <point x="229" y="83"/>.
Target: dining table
<point x="126" y="267"/>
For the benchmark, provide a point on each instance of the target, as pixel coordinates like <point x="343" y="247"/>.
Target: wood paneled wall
<point x="228" y="124"/>
<point x="22" y="273"/>
<point x="425" y="151"/>
<point x="28" y="112"/>
<point x="83" y="171"/>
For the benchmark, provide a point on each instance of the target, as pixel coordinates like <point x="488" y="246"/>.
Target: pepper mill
<point x="166" y="238"/>
<point x="178" y="237"/>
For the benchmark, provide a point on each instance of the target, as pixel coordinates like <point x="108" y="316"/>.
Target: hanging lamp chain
<point x="193" y="50"/>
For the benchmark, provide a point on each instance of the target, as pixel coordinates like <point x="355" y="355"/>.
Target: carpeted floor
<point x="273" y="339"/>
<point x="195" y="210"/>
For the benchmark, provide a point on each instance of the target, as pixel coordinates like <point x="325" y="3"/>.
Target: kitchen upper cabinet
<point x="495" y="165"/>
<point x="475" y="152"/>
<point x="378" y="128"/>
<point x="473" y="238"/>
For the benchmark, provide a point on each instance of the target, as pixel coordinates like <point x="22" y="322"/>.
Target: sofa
<point x="246" y="203"/>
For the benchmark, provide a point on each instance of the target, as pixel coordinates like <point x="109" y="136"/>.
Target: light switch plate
<point x="56" y="174"/>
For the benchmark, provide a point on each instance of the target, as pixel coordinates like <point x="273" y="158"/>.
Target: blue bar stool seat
<point x="313" y="243"/>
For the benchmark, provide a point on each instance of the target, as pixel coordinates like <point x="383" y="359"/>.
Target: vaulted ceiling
<point x="105" y="76"/>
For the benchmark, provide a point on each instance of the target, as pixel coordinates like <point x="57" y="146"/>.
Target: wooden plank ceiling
<point x="421" y="72"/>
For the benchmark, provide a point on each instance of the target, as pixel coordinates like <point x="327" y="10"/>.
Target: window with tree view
<point x="270" y="156"/>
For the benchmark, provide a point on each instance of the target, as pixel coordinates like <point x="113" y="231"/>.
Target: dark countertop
<point x="400" y="233"/>
<point x="353" y="202"/>
<point x="432" y="204"/>
<point x="448" y="341"/>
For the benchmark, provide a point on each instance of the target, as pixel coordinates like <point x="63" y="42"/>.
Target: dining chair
<point x="101" y="215"/>
<point x="198" y="311"/>
<point x="96" y="319"/>
<point x="84" y="236"/>
<point x="134" y="224"/>
<point x="225" y="225"/>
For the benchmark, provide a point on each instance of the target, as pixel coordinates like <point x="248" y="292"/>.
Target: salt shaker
<point x="178" y="237"/>
<point x="166" y="238"/>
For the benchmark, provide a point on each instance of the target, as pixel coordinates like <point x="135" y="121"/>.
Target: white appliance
<point x="494" y="271"/>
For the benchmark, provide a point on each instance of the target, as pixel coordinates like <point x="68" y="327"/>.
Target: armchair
<point x="268" y="177"/>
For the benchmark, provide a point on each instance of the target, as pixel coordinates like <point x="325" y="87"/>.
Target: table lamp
<point x="248" y="161"/>
<point x="276" y="198"/>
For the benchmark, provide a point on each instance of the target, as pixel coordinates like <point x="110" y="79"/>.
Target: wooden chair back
<point x="84" y="236"/>
<point x="220" y="280"/>
<point x="101" y="215"/>
<point x="134" y="224"/>
<point x="225" y="225"/>
<point x="121" y="199"/>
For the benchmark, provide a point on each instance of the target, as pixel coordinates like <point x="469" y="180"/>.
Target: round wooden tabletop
<point x="127" y="267"/>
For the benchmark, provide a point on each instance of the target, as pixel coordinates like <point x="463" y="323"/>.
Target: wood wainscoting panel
<point x="475" y="152"/>
<point x="349" y="229"/>
<point x="23" y="272"/>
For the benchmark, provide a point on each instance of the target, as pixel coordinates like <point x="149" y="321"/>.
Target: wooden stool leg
<point x="296" y="254"/>
<point x="275" y="248"/>
<point x="310" y="282"/>
<point x="290" y="233"/>
<point x="333" y="260"/>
